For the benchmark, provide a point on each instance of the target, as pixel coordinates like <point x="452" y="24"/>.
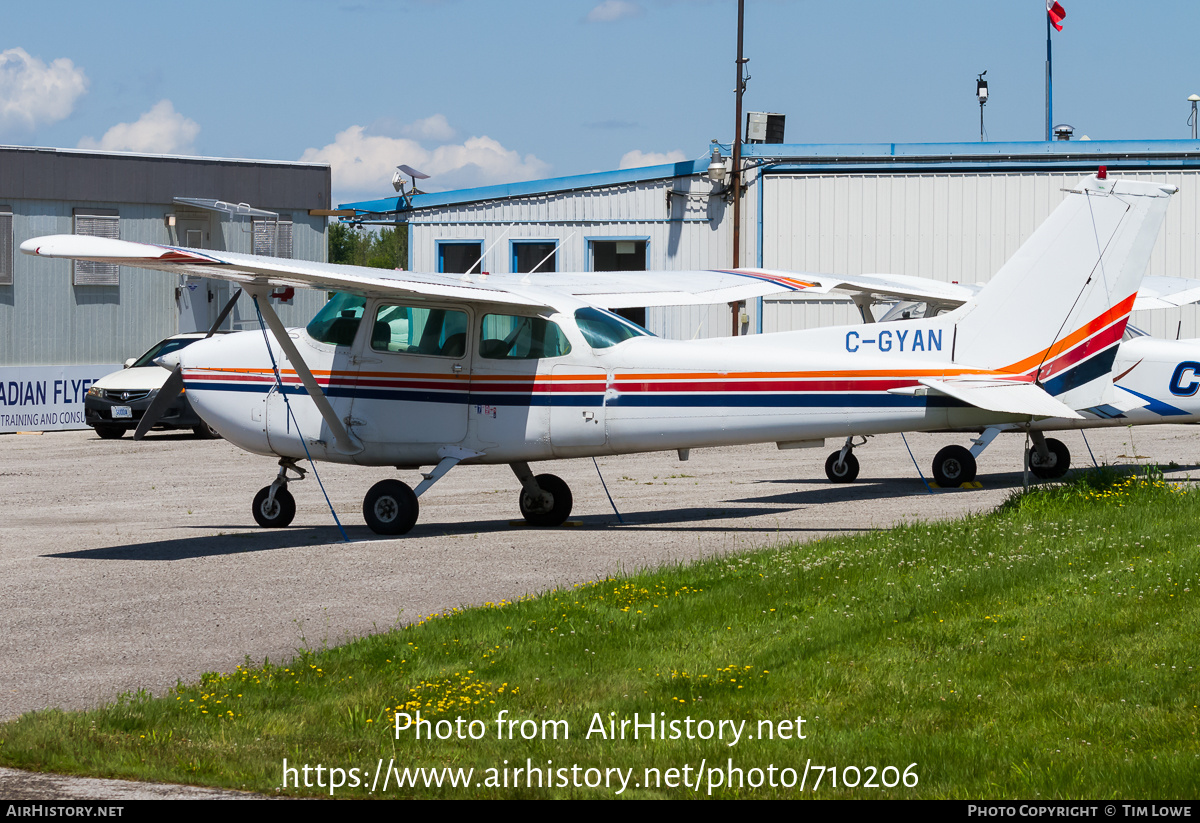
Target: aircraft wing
<point x="272" y="272"/>
<point x="609" y="290"/>
<point x="1006" y="396"/>
<point x="1156" y="292"/>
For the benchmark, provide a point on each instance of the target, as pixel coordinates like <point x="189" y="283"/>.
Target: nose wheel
<point x="273" y="506"/>
<point x="841" y="469"/>
<point x="274" y="511"/>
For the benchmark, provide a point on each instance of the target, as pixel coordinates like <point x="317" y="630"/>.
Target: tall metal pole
<point x="1049" y="95"/>
<point x="735" y="311"/>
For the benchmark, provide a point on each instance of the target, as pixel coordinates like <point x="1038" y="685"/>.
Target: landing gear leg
<point x="274" y="507"/>
<point x="545" y="499"/>
<point x="1049" y="459"/>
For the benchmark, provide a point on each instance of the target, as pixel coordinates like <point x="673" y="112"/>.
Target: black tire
<point x="845" y="471"/>
<point x="1056" y="466"/>
<point x="390" y="507"/>
<point x="278" y="515"/>
<point x="110" y="432"/>
<point x="953" y="466"/>
<point x="560" y="503"/>
<point x="205" y="432"/>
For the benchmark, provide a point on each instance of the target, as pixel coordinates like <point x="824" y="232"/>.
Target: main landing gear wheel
<point x="953" y="466"/>
<point x="1055" y="466"/>
<point x="390" y="507"/>
<point x="555" y="506"/>
<point x="841" y="471"/>
<point x="278" y="513"/>
<point x="110" y="432"/>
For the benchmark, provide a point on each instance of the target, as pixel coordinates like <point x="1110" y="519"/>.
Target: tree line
<point x="383" y="249"/>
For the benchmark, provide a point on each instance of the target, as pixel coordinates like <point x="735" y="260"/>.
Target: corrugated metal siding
<point x="44" y="320"/>
<point x="951" y="227"/>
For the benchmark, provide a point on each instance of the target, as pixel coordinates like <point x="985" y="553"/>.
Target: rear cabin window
<point x="337" y="322"/>
<point x="411" y="330"/>
<point x="515" y="337"/>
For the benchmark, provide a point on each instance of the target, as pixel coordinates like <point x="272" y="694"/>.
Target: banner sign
<point x="46" y="398"/>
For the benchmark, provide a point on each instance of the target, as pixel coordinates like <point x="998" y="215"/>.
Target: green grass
<point x="1047" y="650"/>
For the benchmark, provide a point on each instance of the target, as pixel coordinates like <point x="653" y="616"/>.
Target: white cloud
<point x="32" y="93"/>
<point x="434" y="129"/>
<point x="161" y="130"/>
<point x="612" y="10"/>
<point x="636" y="158"/>
<point x="362" y="164"/>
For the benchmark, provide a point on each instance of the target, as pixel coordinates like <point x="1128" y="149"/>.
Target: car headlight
<point x="95" y="391"/>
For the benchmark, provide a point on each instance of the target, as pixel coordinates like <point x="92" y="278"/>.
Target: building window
<point x="534" y="255"/>
<point x="459" y="258"/>
<point x="97" y="223"/>
<point x="273" y="236"/>
<point x="6" y="246"/>
<point x="618" y="255"/>
<point x="621" y="255"/>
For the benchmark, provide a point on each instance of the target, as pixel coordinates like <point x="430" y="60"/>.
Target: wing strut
<point x="346" y="444"/>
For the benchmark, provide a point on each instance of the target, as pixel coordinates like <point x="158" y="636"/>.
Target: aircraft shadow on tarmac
<point x="689" y="519"/>
<point x="692" y="518"/>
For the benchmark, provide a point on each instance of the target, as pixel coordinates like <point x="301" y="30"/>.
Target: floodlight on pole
<point x="717" y="171"/>
<point x="1193" y="99"/>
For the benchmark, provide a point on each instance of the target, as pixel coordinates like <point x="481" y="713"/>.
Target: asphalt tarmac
<point x="132" y="566"/>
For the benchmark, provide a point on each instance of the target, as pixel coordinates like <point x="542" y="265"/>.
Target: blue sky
<point x="480" y="92"/>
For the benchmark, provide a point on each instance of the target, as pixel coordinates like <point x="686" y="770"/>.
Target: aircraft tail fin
<point x="1057" y="309"/>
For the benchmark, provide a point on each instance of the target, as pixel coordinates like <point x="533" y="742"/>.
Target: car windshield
<point x="165" y="347"/>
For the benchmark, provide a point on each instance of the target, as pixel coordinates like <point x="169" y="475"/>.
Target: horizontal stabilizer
<point x="1166" y="293"/>
<point x="1004" y="396"/>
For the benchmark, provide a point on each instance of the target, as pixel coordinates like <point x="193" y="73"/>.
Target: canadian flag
<point x="1056" y="12"/>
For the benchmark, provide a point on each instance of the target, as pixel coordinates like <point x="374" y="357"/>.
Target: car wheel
<point x="537" y="512"/>
<point x="279" y="513"/>
<point x="205" y="432"/>
<point x="110" y="432"/>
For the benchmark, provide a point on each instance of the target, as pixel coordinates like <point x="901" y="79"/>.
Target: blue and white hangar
<point x="953" y="211"/>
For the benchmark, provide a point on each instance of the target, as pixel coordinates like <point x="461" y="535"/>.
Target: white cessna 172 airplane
<point x="413" y="370"/>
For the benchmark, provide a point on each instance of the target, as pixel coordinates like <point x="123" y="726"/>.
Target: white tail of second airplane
<point x="1057" y="309"/>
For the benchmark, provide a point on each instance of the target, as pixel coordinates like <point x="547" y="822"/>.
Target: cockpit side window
<point x="517" y="337"/>
<point x="337" y="322"/>
<point x="603" y="329"/>
<point x="412" y="330"/>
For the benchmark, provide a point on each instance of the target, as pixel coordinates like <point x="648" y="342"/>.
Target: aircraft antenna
<point x="479" y="262"/>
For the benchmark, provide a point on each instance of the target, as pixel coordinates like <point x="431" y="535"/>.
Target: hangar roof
<point x="819" y="157"/>
<point x="120" y="177"/>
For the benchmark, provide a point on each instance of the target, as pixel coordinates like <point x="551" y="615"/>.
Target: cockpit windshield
<point x="602" y="329"/>
<point x="337" y="322"/>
